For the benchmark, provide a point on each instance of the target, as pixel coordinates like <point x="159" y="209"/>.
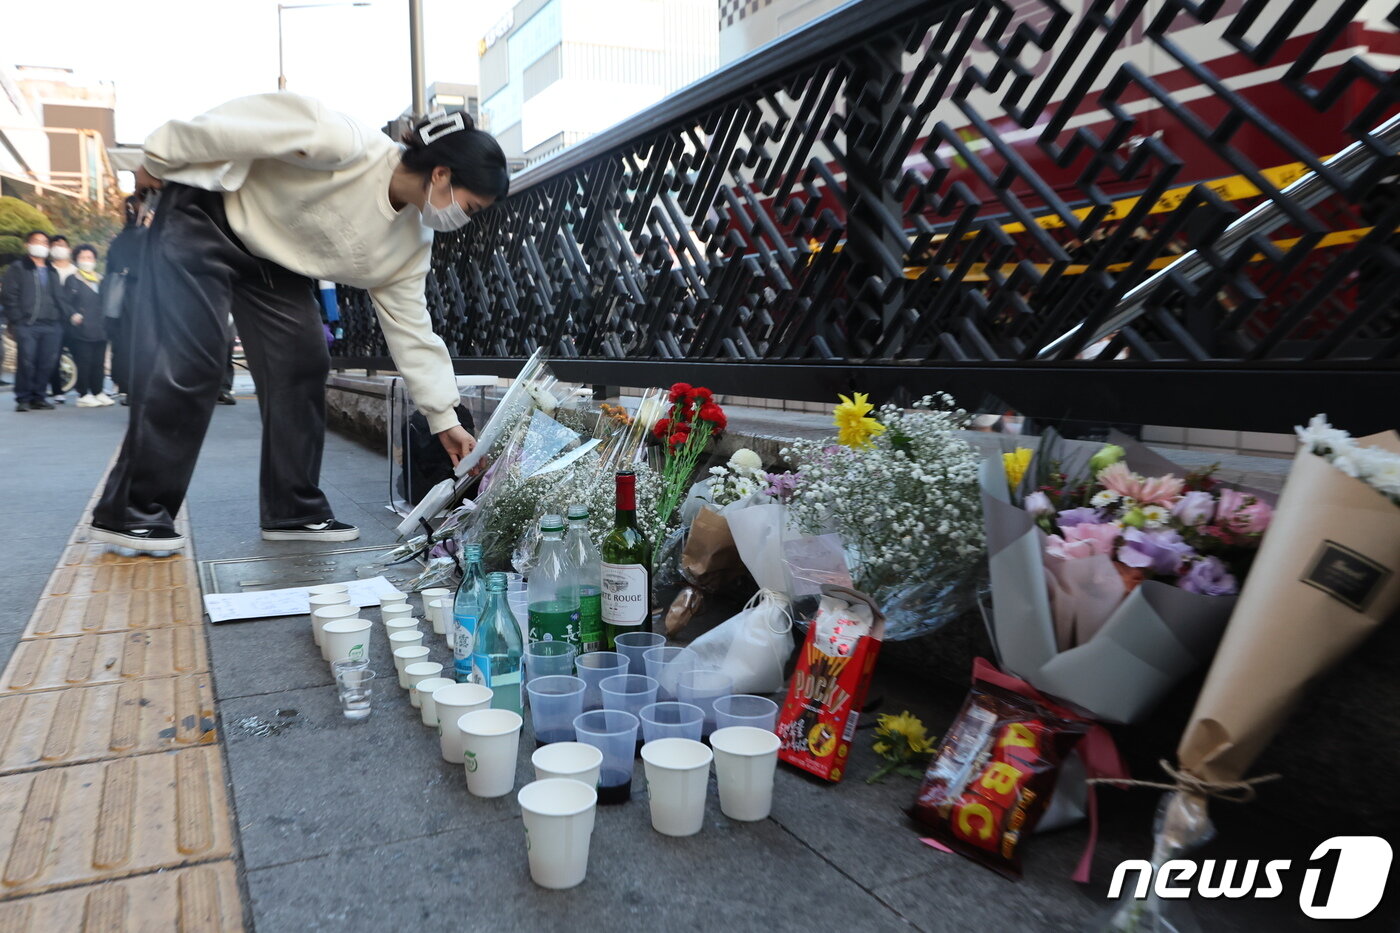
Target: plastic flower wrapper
<point x="440" y="571"/>
<point x="753" y="646"/>
<point x="1326" y="576"/>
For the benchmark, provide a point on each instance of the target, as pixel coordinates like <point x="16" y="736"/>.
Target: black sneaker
<point x="21" y="406"/>
<point x="40" y="405"/>
<point x="330" y="530"/>
<point x="226" y="398"/>
<point x="157" y="542"/>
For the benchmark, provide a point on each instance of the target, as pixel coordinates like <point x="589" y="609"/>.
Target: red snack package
<point x="994" y="772"/>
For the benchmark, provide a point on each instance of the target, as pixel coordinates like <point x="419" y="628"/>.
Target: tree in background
<point x="84" y="221"/>
<point x="16" y="219"/>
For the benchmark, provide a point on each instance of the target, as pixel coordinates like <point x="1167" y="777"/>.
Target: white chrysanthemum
<point x="746" y="459"/>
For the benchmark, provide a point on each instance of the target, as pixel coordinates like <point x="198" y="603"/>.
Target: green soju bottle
<point x="553" y="588"/>
<point x="497" y="649"/>
<point x="466" y="610"/>
<point x="626" y="597"/>
<point x="583" y="554"/>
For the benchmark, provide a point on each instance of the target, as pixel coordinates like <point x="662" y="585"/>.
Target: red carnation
<point x="701" y="395"/>
<point x="679" y="438"/>
<point x="714" y="414"/>
<point x="661" y="428"/>
<point x="680" y="392"/>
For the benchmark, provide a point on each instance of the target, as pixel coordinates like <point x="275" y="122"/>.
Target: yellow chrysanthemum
<point x="1016" y="464"/>
<point x="855" y="427"/>
<point x="903" y="735"/>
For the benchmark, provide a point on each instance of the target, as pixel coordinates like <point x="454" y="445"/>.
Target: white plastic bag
<point x="753" y="646"/>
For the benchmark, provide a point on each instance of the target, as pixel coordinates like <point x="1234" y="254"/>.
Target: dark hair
<point x="30" y="235"/>
<point x="472" y="156"/>
<point x="85" y="248"/>
<point x="56" y="237"/>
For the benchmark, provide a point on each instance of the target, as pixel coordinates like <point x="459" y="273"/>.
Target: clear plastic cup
<point x="491" y="744"/>
<point x="555" y="702"/>
<point x="629" y="692"/>
<point x="549" y="658"/>
<point x="745" y="761"/>
<point x="744" y="709"/>
<point x="702" y="688"/>
<point x="320" y="615"/>
<point x="634" y="645"/>
<point x="348" y="664"/>
<point x="406" y="656"/>
<point x="670" y="719"/>
<point x="577" y="761"/>
<point x="595" y="667"/>
<point x="678" y="777"/>
<point x="405" y="638"/>
<point x="425" y="688"/>
<point x="667" y="665"/>
<point x="614" y="733"/>
<point x="355" y="688"/>
<point x="558" y="816"/>
<point x="417" y="672"/>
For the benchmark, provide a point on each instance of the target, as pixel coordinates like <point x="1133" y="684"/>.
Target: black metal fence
<point x="908" y="196"/>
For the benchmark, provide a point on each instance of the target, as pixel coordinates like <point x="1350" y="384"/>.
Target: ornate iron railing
<point x="907" y="196"/>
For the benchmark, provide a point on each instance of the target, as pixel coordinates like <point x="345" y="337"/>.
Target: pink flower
<point x="1156" y="490"/>
<point x="1084" y="540"/>
<point x="1242" y="513"/>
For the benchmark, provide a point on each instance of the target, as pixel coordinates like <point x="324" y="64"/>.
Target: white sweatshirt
<point x="308" y="189"/>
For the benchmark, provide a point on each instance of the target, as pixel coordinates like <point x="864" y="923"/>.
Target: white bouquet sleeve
<point x="753" y="646"/>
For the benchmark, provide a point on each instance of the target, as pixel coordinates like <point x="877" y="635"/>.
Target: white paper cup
<point x="346" y="638"/>
<point x="678" y="777"/>
<point x="328" y="589"/>
<point x="405" y="638"/>
<point x="453" y="702"/>
<point x="406" y="656"/>
<point x="417" y="672"/>
<point x="490" y="745"/>
<point x="439" y="612"/>
<point x="327" y="599"/>
<point x="405" y="624"/>
<point x="399" y="610"/>
<point x="575" y="761"/>
<point x="389" y="597"/>
<point x="425" y="690"/>
<point x="323" y="614"/>
<point x="558" y="815"/>
<point x="745" y="760"/>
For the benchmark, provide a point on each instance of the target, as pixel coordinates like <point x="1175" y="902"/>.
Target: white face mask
<point x="38" y="251"/>
<point x="443" y="219"/>
<point x="60" y="253"/>
<point x="87" y="265"/>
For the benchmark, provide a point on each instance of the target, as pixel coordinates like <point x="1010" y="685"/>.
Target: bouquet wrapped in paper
<point x="1112" y="576"/>
<point x="1327" y="575"/>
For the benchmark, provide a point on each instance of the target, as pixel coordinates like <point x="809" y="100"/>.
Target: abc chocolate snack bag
<point x="994" y="773"/>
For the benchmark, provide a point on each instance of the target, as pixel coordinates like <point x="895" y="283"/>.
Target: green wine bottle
<point x="626" y="567"/>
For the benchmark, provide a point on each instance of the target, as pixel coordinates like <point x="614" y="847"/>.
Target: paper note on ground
<point x="292" y="601"/>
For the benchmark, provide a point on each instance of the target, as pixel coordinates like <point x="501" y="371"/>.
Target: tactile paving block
<point x="114" y="612"/>
<point x="51" y="663"/>
<point x="202" y="899"/>
<point x="59" y="727"/>
<point x="111" y="819"/>
<point x="149" y="573"/>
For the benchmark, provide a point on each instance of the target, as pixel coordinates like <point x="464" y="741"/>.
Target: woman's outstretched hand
<point x="457" y="442"/>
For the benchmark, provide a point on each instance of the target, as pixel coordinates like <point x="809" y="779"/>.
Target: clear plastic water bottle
<point x="466" y="611"/>
<point x="583" y="554"/>
<point x="498" y="650"/>
<point x="553" y="588"/>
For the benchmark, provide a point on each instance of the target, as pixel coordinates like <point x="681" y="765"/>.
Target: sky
<point x="178" y="58"/>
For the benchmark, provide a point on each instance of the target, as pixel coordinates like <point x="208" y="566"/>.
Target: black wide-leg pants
<point x="194" y="271"/>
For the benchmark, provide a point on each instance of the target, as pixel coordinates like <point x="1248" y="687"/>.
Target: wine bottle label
<point x="624" y="594"/>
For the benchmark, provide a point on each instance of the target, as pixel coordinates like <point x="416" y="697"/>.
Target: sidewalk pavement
<point x="363" y="827"/>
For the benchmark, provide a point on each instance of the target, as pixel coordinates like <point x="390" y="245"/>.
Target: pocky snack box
<point x="818" y="720"/>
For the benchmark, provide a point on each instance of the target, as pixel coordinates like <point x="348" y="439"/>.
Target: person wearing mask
<point x="87" y="334"/>
<point x="259" y="197"/>
<point x="29" y="299"/>
<point x="61" y="261"/>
